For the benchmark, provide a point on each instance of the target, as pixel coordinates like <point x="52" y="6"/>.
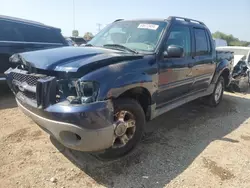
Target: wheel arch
<point x="223" y="69"/>
<point x="225" y="74"/>
<point x="141" y="95"/>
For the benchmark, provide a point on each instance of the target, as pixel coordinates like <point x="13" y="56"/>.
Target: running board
<point x="178" y="102"/>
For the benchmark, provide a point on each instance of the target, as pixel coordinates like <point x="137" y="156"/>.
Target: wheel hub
<point x="120" y="129"/>
<point x="124" y="128"/>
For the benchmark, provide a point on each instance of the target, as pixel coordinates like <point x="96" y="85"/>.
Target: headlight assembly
<point x="77" y="92"/>
<point x="87" y="91"/>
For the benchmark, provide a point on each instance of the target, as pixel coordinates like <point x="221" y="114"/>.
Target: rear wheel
<point x="129" y="120"/>
<point x="215" y="98"/>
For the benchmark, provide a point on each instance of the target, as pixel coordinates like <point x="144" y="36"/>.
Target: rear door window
<point x="202" y="44"/>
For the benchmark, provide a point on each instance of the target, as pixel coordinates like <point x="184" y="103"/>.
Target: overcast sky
<point x="229" y="16"/>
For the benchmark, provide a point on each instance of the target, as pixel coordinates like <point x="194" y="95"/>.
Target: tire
<point x="213" y="99"/>
<point x="134" y="108"/>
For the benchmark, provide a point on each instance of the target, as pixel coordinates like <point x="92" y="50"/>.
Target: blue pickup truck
<point x="97" y="98"/>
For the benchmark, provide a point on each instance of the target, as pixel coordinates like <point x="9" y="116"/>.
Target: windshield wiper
<point x="119" y="46"/>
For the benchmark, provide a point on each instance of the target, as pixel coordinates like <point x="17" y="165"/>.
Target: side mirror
<point x="174" y="51"/>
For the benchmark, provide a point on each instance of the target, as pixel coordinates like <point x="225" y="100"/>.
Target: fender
<point x="222" y="66"/>
<point x="117" y="78"/>
<point x="133" y="80"/>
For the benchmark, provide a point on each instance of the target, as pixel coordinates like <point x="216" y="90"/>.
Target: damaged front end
<point x="41" y="88"/>
<point x="66" y="107"/>
<point x="36" y="90"/>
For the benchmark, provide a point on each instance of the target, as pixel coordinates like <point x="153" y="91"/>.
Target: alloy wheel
<point x="124" y="128"/>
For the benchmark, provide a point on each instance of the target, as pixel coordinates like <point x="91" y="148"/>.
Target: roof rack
<point x="118" y="20"/>
<point x="171" y="18"/>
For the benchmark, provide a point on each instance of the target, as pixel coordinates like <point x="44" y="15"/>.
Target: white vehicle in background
<point x="220" y="42"/>
<point x="241" y="64"/>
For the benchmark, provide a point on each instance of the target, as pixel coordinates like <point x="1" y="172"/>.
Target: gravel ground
<point x="191" y="146"/>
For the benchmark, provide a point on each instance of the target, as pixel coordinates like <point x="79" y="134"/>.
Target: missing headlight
<point x="87" y="91"/>
<point x="66" y="90"/>
<point x="77" y="92"/>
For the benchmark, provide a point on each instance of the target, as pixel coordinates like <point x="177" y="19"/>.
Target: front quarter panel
<point x="117" y="78"/>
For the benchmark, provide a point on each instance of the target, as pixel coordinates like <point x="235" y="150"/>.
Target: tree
<point x="75" y="33"/>
<point x="231" y="40"/>
<point x="88" y="36"/>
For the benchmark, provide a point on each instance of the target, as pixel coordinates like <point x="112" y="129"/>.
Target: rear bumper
<point x="73" y="136"/>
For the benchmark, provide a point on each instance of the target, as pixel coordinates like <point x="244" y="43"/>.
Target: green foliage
<point x="88" y="36"/>
<point x="231" y="40"/>
<point x="75" y="33"/>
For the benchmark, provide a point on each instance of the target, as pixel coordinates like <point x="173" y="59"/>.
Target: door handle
<point x="190" y="65"/>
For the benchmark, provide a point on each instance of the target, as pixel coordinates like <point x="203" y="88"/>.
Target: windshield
<point x="135" y="35"/>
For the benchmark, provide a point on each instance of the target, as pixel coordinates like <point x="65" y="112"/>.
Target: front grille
<point x="22" y="79"/>
<point x="40" y="89"/>
<point x="30" y="79"/>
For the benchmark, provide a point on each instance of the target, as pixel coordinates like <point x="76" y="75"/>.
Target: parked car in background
<point x="78" y="40"/>
<point x="19" y="35"/>
<point x="241" y="71"/>
<point x="97" y="98"/>
<point x="70" y="41"/>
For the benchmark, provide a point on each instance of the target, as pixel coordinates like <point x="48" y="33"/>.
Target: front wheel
<point x="215" y="98"/>
<point x="129" y="120"/>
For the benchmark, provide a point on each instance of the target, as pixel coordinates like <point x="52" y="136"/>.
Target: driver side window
<point x="180" y="36"/>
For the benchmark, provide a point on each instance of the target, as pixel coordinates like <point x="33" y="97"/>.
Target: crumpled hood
<point x="71" y="59"/>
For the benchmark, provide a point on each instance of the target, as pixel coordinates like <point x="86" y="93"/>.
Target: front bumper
<point x="77" y="137"/>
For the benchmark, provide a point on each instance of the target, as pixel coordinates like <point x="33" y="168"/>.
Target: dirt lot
<point x="192" y="146"/>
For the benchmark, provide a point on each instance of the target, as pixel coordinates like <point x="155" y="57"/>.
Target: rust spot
<point x="245" y="137"/>
<point x="224" y="174"/>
